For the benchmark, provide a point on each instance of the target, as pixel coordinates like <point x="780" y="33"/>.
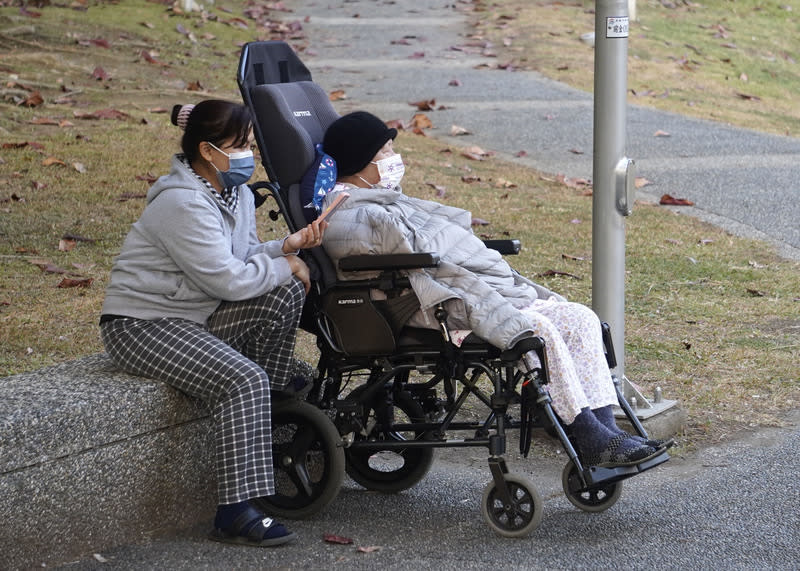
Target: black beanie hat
<point x="354" y="139"/>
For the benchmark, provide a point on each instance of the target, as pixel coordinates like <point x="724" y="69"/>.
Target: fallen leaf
<point x="331" y="538"/>
<point x="33" y="100"/>
<point x="100" y="74"/>
<point x="748" y="97"/>
<point x="440" y="190"/>
<point x="668" y="200"/>
<point x="520" y="154"/>
<point x="80" y="167"/>
<point x="75" y="282"/>
<point x="469" y="178"/>
<point x="479" y="222"/>
<point x="661" y="133"/>
<point x="640" y="182"/>
<point x="49" y="161"/>
<point x="424" y="105"/>
<point x="337" y="94"/>
<point x="43" y="121"/>
<point x="396" y="124"/>
<point x="549" y="273"/>
<point x="368" y="549"/>
<point x="150" y="57"/>
<point x="65" y="245"/>
<point x="454" y="83"/>
<point x="195" y="86"/>
<point x="78" y="238"/>
<point x="421" y="121"/>
<point x="476" y="150"/>
<point x="756" y="293"/>
<point x="130" y="196"/>
<point x="148" y="177"/>
<point x="573" y="182"/>
<point x="48" y="267"/>
<point x="573" y="258"/>
<point x="456" y="131"/>
<point x="101" y="114"/>
<point x="503" y="183"/>
<point x="576" y="151"/>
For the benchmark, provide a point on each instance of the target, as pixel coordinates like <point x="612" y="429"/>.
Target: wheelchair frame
<point x="413" y="382"/>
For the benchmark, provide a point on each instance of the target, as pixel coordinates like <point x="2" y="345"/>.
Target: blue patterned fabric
<point x="318" y="181"/>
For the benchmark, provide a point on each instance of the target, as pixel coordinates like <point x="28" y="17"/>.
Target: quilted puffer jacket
<point x="480" y="290"/>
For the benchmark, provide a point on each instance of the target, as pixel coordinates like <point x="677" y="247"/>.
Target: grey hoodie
<point x="188" y="252"/>
<point x="482" y="292"/>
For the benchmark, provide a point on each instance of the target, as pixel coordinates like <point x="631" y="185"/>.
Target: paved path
<point x="744" y="181"/>
<point x="733" y="507"/>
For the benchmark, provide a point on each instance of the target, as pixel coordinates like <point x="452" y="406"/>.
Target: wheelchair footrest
<point x="597" y="475"/>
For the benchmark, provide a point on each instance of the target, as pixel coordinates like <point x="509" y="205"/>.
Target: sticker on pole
<point x="617" y="27"/>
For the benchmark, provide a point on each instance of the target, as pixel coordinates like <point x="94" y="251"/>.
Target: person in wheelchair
<point x="478" y="288"/>
<point x="196" y="301"/>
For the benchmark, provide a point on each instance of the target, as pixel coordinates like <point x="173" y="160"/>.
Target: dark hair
<point x="214" y="121"/>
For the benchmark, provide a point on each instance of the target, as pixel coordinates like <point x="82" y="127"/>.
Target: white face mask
<point x="391" y="170"/>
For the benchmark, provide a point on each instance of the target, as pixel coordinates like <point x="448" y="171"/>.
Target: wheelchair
<point x="385" y="396"/>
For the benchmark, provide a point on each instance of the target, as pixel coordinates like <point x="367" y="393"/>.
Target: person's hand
<point x="300" y="270"/>
<point x="307" y="237"/>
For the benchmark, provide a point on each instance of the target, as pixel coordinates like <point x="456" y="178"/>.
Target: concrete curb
<point x="91" y="458"/>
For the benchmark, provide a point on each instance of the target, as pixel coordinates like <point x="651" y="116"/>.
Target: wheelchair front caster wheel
<point x="594" y="499"/>
<point x="308" y="460"/>
<point x="521" y="515"/>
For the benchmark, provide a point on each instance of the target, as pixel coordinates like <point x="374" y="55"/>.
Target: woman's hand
<point x="307" y="237"/>
<point x="300" y="270"/>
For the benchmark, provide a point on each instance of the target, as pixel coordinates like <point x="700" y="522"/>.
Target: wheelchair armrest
<point x="364" y="262"/>
<point x="505" y="247"/>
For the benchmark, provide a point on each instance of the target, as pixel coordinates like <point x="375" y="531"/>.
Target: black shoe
<point x="615" y="454"/>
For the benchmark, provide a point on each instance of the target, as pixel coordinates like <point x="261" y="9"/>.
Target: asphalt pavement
<point x="732" y="506"/>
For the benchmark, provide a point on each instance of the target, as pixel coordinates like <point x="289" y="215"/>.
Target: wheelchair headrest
<point x="270" y="62"/>
<point x="291" y="118"/>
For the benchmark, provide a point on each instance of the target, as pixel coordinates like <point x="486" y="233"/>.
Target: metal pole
<point x="613" y="174"/>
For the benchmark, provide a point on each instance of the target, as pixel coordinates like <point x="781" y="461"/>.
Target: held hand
<point x="307" y="237"/>
<point x="300" y="270"/>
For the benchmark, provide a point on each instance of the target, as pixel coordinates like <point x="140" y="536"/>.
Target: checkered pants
<point x="225" y="364"/>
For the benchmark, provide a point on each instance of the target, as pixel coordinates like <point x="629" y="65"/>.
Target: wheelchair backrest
<point x="290" y="116"/>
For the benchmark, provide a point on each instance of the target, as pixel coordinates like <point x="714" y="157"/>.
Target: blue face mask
<point x="240" y="168"/>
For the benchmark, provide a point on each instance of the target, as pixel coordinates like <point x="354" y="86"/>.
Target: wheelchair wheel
<point x="595" y="499"/>
<point x="389" y="471"/>
<point x="518" y="518"/>
<point x="307" y="458"/>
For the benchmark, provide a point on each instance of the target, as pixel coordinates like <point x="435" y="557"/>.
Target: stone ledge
<point x="91" y="458"/>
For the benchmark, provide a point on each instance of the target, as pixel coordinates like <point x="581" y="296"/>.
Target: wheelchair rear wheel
<point x="595" y="499"/>
<point x="521" y="515"/>
<point x="307" y="458"/>
<point x="389" y="471"/>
